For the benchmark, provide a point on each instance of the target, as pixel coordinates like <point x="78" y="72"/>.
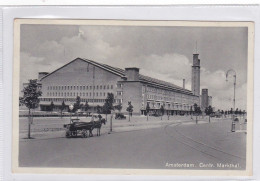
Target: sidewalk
<point x="46" y="128"/>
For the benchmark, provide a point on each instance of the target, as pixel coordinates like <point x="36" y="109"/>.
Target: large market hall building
<point x="92" y="81"/>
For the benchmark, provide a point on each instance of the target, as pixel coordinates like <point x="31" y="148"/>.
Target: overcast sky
<point x="160" y="52"/>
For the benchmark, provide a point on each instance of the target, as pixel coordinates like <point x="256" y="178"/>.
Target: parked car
<point x="120" y="116"/>
<point x="155" y="114"/>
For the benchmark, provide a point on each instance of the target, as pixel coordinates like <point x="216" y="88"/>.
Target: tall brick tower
<point x="195" y="76"/>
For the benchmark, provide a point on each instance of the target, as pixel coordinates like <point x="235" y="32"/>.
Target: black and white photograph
<point x="133" y="95"/>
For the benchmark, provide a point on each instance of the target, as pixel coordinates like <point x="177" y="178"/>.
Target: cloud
<point x="31" y="65"/>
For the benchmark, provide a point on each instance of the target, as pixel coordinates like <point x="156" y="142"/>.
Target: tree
<point x="197" y="111"/>
<point x="231" y="111"/>
<point x="240" y="112"/>
<point x="236" y="111"/>
<point x="51" y="106"/>
<point x="191" y="112"/>
<point x="147" y="110"/>
<point x="209" y="111"/>
<point x="118" y="107"/>
<point x="86" y="106"/>
<point x="77" y="105"/>
<point x="222" y="113"/>
<point x="108" y="105"/>
<point x="30" y="99"/>
<point x="63" y="106"/>
<point x="168" y="114"/>
<point x="129" y="109"/>
<point x="244" y="112"/>
<point x="162" y="111"/>
<point x="99" y="109"/>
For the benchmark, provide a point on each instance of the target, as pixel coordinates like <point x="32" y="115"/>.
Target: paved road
<point x="175" y="146"/>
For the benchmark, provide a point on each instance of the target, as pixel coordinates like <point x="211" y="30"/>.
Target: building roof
<point x="120" y="72"/>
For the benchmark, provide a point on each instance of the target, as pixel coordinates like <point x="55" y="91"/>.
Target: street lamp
<point x="234" y="99"/>
<point x="71" y="108"/>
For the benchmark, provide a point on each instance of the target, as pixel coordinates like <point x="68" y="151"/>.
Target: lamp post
<point x="234" y="98"/>
<point x="71" y="108"/>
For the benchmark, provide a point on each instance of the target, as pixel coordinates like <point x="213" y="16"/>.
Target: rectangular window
<point x="97" y="86"/>
<point x="107" y="86"/>
<point x="100" y="93"/>
<point x="90" y="94"/>
<point x="77" y="87"/>
<point x="96" y="94"/>
<point x="100" y="87"/>
<point x="104" y="94"/>
<point x="104" y="87"/>
<point x="71" y="94"/>
<point x="80" y="88"/>
<point x="86" y="94"/>
<point x="111" y="86"/>
<point x="83" y="87"/>
<point x="74" y="94"/>
<point x="90" y="87"/>
<point x="79" y="94"/>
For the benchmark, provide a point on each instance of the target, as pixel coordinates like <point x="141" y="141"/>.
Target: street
<point x="172" y="146"/>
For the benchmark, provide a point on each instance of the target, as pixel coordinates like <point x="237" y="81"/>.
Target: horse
<point x="98" y="124"/>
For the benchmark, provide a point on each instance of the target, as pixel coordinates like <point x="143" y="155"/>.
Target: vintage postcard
<point x="133" y="97"/>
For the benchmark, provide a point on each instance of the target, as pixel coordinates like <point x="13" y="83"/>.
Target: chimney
<point x="132" y="74"/>
<point x="183" y="84"/>
<point x="42" y="74"/>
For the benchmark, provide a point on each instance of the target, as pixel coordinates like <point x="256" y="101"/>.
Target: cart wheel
<point x="68" y="134"/>
<point x="73" y="133"/>
<point x="84" y="133"/>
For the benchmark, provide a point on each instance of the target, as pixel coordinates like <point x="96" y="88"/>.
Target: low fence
<point x="49" y="114"/>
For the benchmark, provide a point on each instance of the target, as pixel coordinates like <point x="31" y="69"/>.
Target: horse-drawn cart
<point x="76" y="128"/>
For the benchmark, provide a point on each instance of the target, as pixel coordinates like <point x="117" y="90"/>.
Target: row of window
<point x="172" y="98"/>
<point x="79" y="87"/>
<point x="169" y="106"/>
<point x="155" y="97"/>
<point x="84" y="94"/>
<point x="162" y="91"/>
<point x="73" y="100"/>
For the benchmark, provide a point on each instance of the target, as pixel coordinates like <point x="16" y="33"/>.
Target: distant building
<point x="204" y="99"/>
<point x="92" y="81"/>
